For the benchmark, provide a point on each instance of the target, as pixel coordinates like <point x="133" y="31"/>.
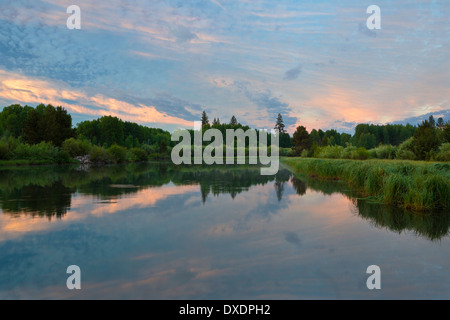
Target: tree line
<point x="429" y="140"/>
<point x="46" y="134"/>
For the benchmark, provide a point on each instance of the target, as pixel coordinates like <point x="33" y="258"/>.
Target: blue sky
<point x="161" y="63"/>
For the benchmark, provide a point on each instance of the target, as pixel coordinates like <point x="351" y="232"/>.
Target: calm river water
<point x="156" y="231"/>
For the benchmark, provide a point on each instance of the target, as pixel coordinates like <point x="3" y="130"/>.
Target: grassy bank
<point x="414" y="185"/>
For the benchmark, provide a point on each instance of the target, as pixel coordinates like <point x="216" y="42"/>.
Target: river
<point x="158" y="231"/>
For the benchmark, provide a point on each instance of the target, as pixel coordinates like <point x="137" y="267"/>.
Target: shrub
<point x="304" y="153"/>
<point x="44" y="151"/>
<point x="117" y="153"/>
<point x="405" y="150"/>
<point x="137" y="154"/>
<point x="63" y="157"/>
<point x="360" y="154"/>
<point x="444" y="152"/>
<point x="384" y="152"/>
<point x="76" y="147"/>
<point x="348" y="151"/>
<point x="330" y="152"/>
<point x="150" y="148"/>
<point x="98" y="154"/>
<point x="4" y="149"/>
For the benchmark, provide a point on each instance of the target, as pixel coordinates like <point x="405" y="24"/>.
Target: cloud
<point x="293" y="238"/>
<point x="184" y="34"/>
<point x="293" y="73"/>
<point x="362" y="28"/>
<point x="15" y="88"/>
<point x="217" y="3"/>
<point x="264" y="100"/>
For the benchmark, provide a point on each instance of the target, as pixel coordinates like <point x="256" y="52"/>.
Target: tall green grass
<point x="414" y="185"/>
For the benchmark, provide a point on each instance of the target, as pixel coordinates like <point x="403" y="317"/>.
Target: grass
<point x="415" y="185"/>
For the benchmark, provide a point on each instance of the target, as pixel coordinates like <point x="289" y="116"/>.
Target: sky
<point x="161" y="63"/>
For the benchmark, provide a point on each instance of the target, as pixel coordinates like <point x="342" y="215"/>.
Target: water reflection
<point x="48" y="191"/>
<point x="157" y="231"/>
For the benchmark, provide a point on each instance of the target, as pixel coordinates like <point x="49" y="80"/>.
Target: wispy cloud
<point x="230" y="57"/>
<point x="293" y="73"/>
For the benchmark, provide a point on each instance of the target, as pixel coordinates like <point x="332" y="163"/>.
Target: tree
<point x="205" y="119"/>
<point x="111" y="131"/>
<point x="301" y="140"/>
<point x="216" y="121"/>
<point x="233" y="121"/>
<point x="425" y="140"/>
<point x="47" y="123"/>
<point x="285" y="140"/>
<point x="440" y="122"/>
<point x="280" y="125"/>
<point x="432" y="121"/>
<point x="446" y="132"/>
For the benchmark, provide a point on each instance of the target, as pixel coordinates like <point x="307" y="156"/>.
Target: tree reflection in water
<point x="47" y="191"/>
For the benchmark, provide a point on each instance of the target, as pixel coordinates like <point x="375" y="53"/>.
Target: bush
<point x="98" y="154"/>
<point x="150" y="148"/>
<point x="137" y="155"/>
<point x="4" y="149"/>
<point x="76" y="147"/>
<point x="304" y="153"/>
<point x="384" y="152"/>
<point x="348" y="151"/>
<point x="360" y="154"/>
<point x="44" y="151"/>
<point x="444" y="152"/>
<point x="63" y="157"/>
<point x="329" y="152"/>
<point x="117" y="153"/>
<point x="405" y="150"/>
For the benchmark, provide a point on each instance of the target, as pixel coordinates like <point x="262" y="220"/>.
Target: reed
<point x="416" y="185"/>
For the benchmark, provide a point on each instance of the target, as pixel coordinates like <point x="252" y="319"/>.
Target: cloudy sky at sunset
<point x="161" y="63"/>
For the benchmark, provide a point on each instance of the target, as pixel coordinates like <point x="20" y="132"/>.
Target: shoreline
<point x="413" y="185"/>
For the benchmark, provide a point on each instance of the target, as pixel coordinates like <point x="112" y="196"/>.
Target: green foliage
<point x="137" y="155"/>
<point x="98" y="155"/>
<point x="413" y="185"/>
<point x="404" y="151"/>
<point x="286" y="152"/>
<point x="110" y="130"/>
<point x="445" y="132"/>
<point x="361" y="154"/>
<point x="369" y="136"/>
<point x="205" y="120"/>
<point x="301" y="140"/>
<point x="425" y="140"/>
<point x="4" y="149"/>
<point x="384" y="152"/>
<point x="117" y="153"/>
<point x="75" y="147"/>
<point x="285" y="140"/>
<point x="279" y="126"/>
<point x="47" y="123"/>
<point x="444" y="152"/>
<point x="304" y="154"/>
<point x="329" y="152"/>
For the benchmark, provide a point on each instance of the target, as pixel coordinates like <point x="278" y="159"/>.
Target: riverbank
<point x="415" y="185"/>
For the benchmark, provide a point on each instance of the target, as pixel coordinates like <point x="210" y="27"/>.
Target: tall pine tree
<point x="205" y="120"/>
<point x="280" y="125"/>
